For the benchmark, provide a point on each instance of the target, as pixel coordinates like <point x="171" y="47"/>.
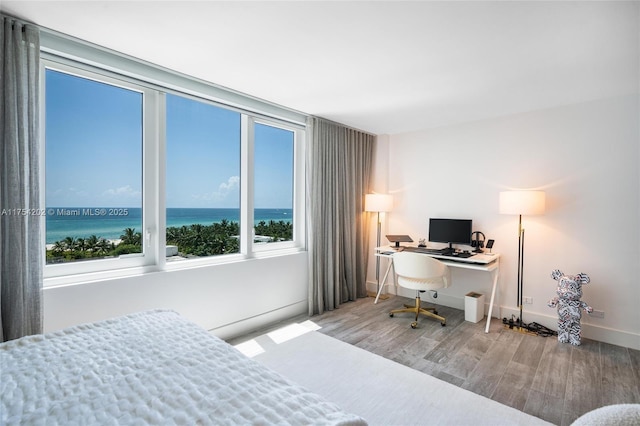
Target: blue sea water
<point x="109" y="223"/>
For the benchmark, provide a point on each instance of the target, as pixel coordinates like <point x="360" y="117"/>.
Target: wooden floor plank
<point x="485" y="377"/>
<point x="513" y="388"/>
<point x="447" y="348"/>
<point x="545" y="406"/>
<point x="616" y="364"/>
<point x="464" y="362"/>
<point x="635" y="363"/>
<point x="553" y="369"/>
<point x="584" y="381"/>
<point x="530" y="352"/>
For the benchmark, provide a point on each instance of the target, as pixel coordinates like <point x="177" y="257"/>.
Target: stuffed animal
<point x="569" y="305"/>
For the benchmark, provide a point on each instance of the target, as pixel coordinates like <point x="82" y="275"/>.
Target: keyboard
<point x="441" y="252"/>
<point x="424" y="250"/>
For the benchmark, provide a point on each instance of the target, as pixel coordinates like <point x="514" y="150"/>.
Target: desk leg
<point x="495" y="274"/>
<point x="384" y="280"/>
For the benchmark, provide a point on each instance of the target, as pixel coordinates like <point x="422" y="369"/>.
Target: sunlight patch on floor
<point x="250" y="348"/>
<point x="288" y="332"/>
<point x="310" y="325"/>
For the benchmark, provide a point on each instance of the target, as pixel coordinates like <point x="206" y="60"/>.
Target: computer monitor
<point x="450" y="231"/>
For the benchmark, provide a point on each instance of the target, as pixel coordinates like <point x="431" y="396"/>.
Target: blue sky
<point x="94" y="150"/>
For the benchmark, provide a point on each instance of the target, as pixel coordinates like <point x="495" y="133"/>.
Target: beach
<point x="110" y="222"/>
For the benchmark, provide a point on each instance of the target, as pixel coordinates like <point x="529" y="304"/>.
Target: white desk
<point x="480" y="262"/>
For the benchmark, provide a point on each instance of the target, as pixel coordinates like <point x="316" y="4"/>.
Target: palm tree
<point x="58" y="248"/>
<point x="132" y="237"/>
<point x="92" y="243"/>
<point x="105" y="246"/>
<point x="81" y="244"/>
<point x="69" y="244"/>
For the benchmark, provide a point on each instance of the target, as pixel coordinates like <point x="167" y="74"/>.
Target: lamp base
<point x="516" y="324"/>
<point x="374" y="294"/>
<point x="532" y="328"/>
<point x="521" y="330"/>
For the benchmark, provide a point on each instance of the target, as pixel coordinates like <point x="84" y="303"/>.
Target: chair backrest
<point x="420" y="272"/>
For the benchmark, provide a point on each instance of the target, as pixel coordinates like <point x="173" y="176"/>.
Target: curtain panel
<point x="21" y="245"/>
<point x="339" y="168"/>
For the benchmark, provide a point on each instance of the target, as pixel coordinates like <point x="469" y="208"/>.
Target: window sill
<point x="91" y="277"/>
<point x="230" y="258"/>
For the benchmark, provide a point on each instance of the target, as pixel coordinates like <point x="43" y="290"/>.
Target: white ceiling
<point x="380" y="66"/>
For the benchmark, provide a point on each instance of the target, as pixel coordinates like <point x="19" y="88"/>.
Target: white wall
<point x="585" y="157"/>
<point x="230" y="299"/>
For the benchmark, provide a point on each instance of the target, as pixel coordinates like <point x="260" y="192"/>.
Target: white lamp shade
<point x="522" y="202"/>
<point x="378" y="202"/>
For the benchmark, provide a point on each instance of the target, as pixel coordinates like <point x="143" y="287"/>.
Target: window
<point x="273" y="189"/>
<point x="203" y="179"/>
<point x="93" y="169"/>
<point x="150" y="176"/>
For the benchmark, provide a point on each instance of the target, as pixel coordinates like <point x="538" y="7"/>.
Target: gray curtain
<point x="339" y="168"/>
<point x="21" y="246"/>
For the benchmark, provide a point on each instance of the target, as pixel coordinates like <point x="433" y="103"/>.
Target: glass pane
<point x="273" y="195"/>
<point x="93" y="169"/>
<point x="203" y="179"/>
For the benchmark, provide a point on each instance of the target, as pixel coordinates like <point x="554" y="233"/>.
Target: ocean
<point x="109" y="223"/>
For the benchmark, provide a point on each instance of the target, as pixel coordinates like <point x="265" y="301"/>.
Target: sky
<point x="94" y="150"/>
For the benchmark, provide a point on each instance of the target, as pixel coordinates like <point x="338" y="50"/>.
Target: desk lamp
<point x="378" y="203"/>
<point x="521" y="203"/>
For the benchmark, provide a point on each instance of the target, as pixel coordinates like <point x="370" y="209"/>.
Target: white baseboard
<point x="248" y="325"/>
<point x="589" y="331"/>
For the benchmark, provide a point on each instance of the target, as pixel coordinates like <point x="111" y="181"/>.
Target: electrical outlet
<point x="597" y="314"/>
<point x="528" y="300"/>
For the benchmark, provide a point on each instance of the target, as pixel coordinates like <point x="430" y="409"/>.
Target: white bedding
<point x="147" y="368"/>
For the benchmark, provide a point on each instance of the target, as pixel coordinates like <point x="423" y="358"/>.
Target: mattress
<point x="151" y="367"/>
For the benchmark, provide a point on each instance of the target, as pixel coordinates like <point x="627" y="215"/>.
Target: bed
<point x="151" y="367"/>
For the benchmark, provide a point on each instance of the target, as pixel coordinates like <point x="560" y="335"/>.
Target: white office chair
<point x="422" y="273"/>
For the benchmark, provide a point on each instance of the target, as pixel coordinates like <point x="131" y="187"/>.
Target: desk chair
<point x="422" y="273"/>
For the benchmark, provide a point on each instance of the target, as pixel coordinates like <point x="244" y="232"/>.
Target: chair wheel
<point x="414" y="325"/>
<point x="391" y="314"/>
<point x="443" y="324"/>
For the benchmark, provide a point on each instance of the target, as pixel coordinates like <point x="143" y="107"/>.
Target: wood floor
<point x="538" y="375"/>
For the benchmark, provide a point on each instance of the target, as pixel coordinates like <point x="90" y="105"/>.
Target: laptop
<point x="397" y="239"/>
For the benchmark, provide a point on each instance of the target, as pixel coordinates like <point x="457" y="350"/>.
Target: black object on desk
<point x="444" y="252"/>
<point x="424" y="250"/>
<point x="462" y="255"/>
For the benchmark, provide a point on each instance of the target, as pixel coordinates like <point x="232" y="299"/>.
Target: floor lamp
<point x="521" y="203"/>
<point x="378" y="203"/>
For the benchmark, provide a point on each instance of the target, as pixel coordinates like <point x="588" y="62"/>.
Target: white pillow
<point x="611" y="415"/>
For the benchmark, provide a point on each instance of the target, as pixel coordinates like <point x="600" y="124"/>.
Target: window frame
<point x="150" y="100"/>
<point x="82" y="59"/>
<point x="298" y="190"/>
<point x="199" y="261"/>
